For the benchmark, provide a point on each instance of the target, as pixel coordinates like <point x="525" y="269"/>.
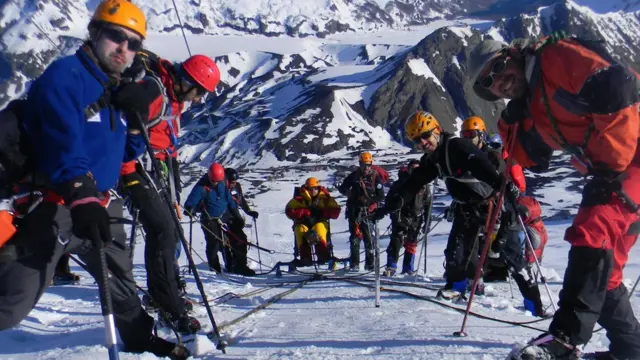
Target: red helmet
<point x="216" y="172"/>
<point x="203" y="71"/>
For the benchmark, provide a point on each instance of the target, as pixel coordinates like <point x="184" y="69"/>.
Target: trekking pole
<point x="377" y="263"/>
<point x="107" y="307"/>
<point x="633" y="289"/>
<point x="535" y="257"/>
<point x="132" y="241"/>
<point x="221" y="344"/>
<point x="190" y="238"/>
<point x="489" y="226"/>
<point x="510" y="285"/>
<point x="427" y="222"/>
<point x="255" y="226"/>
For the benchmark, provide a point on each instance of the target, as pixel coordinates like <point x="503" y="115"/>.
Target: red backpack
<point x="534" y="222"/>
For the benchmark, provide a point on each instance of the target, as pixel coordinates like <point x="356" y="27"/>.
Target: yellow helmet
<point x="122" y="13"/>
<point x="474" y="123"/>
<point x="311" y="182"/>
<point x="420" y="123"/>
<point x="366" y="158"/>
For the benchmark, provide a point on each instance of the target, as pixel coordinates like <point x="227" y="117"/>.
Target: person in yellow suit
<point x="311" y="211"/>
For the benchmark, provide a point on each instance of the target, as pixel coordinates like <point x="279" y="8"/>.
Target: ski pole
<point x="535" y="257"/>
<point x="190" y="238"/>
<point x="225" y="228"/>
<point x="489" y="226"/>
<point x="427" y="222"/>
<point x="633" y="289"/>
<point x="377" y="263"/>
<point x="510" y="285"/>
<point x="132" y="241"/>
<point x="221" y="344"/>
<point x="255" y="226"/>
<point x="107" y="307"/>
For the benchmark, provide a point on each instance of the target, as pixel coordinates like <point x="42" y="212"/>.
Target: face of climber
<point x="504" y="77"/>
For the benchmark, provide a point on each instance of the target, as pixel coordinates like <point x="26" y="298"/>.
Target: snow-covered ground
<point x="328" y="319"/>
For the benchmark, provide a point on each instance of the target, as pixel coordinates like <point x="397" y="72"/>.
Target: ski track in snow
<point x="321" y="320"/>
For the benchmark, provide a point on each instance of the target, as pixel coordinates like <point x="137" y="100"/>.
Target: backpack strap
<point x="165" y="111"/>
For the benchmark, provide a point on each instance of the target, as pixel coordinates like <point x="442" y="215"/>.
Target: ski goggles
<point x="498" y="67"/>
<point x="118" y="37"/>
<point x="470" y="134"/>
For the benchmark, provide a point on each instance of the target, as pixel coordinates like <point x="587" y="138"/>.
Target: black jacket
<point x="468" y="173"/>
<point x="362" y="190"/>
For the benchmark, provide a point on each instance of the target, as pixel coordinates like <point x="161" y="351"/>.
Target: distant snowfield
<point x="323" y="319"/>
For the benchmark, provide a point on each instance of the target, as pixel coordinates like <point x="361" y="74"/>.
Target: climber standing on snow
<point x="471" y="179"/>
<point x="406" y="223"/>
<point x="363" y="189"/>
<point x="78" y="144"/>
<point x="158" y="99"/>
<point x="238" y="239"/>
<point x="211" y="198"/>
<point x="568" y="95"/>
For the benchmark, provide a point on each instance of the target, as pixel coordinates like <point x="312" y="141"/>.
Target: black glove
<point x="511" y="192"/>
<point x="254" y="214"/>
<point x="188" y="211"/>
<point x="378" y="214"/>
<point x="135" y="98"/>
<point x="316" y="212"/>
<point x="523" y="211"/>
<point x="516" y="111"/>
<point x="498" y="244"/>
<point x="175" y="165"/>
<point x="90" y="220"/>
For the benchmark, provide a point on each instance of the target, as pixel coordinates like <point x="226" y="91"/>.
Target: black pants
<point x="161" y="241"/>
<point x="365" y="228"/>
<point x="585" y="301"/>
<point x="31" y="256"/>
<point x="464" y="243"/>
<point x="215" y="238"/>
<point x="239" y="246"/>
<point x="400" y="236"/>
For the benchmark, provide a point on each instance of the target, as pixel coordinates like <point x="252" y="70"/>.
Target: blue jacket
<point x="63" y="142"/>
<point x="212" y="200"/>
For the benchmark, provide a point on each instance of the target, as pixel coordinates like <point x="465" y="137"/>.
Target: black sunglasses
<point x="200" y="91"/>
<point x="498" y="66"/>
<point x="423" y="136"/>
<point x="118" y="37"/>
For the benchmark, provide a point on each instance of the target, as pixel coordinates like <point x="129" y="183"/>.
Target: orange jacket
<point x="160" y="134"/>
<point x="587" y="98"/>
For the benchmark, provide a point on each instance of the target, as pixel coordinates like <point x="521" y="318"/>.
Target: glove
<point x="188" y="211"/>
<point x="511" y="192"/>
<point x="516" y="111"/>
<point x="90" y="220"/>
<point x="135" y="98"/>
<point x="523" y="211"/>
<point x="363" y="199"/>
<point x="379" y="214"/>
<point x="254" y="214"/>
<point x="316" y="212"/>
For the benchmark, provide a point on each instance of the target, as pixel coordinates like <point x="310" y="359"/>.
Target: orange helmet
<point x="122" y="13"/>
<point x="474" y="123"/>
<point x="366" y="158"/>
<point x="420" y="123"/>
<point x="311" y="182"/>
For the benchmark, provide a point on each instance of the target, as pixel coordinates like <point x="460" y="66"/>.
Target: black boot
<point x="161" y="348"/>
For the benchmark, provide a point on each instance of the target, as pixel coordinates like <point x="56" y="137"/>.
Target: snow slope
<point x="327" y="319"/>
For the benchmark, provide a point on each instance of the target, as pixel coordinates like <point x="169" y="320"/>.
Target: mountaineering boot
<point x="65" y="279"/>
<point x="389" y="271"/>
<point x="354" y="267"/>
<point x="355" y="253"/>
<point x="407" y="264"/>
<point x="546" y="347"/>
<point x="599" y="355"/>
<point x="161" y="348"/>
<point x="244" y="271"/>
<point x="187" y="325"/>
<point x="479" y="288"/>
<point x="455" y="290"/>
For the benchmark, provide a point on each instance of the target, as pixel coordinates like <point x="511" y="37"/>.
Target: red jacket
<point x="160" y="135"/>
<point x="516" y="172"/>
<point x="534" y="222"/>
<point x="592" y="109"/>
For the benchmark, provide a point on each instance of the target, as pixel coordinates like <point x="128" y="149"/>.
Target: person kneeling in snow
<point x="310" y="211"/>
<point x="212" y="199"/>
<point x="406" y="223"/>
